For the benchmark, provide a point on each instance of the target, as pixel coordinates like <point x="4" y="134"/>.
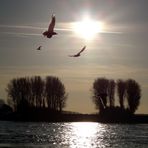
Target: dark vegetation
<point x="104" y="95"/>
<point x="38" y="99"/>
<point x="35" y="93"/>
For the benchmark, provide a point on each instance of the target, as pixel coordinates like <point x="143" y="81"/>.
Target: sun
<point x="87" y="28"/>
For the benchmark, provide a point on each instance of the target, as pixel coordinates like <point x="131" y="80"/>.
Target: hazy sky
<point x="120" y="52"/>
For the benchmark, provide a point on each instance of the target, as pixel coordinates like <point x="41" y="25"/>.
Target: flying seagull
<point x="79" y="53"/>
<point x="39" y="48"/>
<point x="50" y="32"/>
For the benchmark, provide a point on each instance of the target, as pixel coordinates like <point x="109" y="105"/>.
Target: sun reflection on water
<point x="72" y="135"/>
<point x="84" y="129"/>
<point x="83" y="134"/>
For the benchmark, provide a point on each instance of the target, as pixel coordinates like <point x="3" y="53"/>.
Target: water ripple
<point x="72" y="135"/>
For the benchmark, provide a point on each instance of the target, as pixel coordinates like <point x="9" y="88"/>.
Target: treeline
<point x="36" y="93"/>
<point x="128" y="92"/>
<point x="44" y="98"/>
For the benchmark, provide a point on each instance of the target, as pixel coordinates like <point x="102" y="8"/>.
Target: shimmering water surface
<point x="73" y="135"/>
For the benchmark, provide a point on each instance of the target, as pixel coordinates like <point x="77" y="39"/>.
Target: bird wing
<point x="78" y="54"/>
<point x="39" y="48"/>
<point x="81" y="50"/>
<point x="71" y="55"/>
<point x="52" y="24"/>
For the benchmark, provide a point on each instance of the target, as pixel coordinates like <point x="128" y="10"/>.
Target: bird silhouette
<point x="50" y="32"/>
<point x="79" y="53"/>
<point x="39" y="48"/>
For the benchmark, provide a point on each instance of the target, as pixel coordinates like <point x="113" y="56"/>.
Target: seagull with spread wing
<point x="79" y="53"/>
<point x="50" y="32"/>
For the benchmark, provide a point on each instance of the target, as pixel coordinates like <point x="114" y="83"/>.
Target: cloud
<point x="30" y="30"/>
<point x="21" y="34"/>
<point x="21" y="30"/>
<point x="20" y="27"/>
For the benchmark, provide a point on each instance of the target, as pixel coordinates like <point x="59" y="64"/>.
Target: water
<point x="72" y="135"/>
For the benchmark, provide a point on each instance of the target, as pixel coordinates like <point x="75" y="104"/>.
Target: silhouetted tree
<point x="19" y="91"/>
<point x="5" y="109"/>
<point x="2" y="102"/>
<point x="13" y="93"/>
<point x="55" y="93"/>
<point x="100" y="90"/>
<point x="37" y="92"/>
<point x="111" y="92"/>
<point x="133" y="94"/>
<point x="121" y="91"/>
<point x="34" y="92"/>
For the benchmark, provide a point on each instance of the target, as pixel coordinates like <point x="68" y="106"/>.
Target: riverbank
<point x="66" y="117"/>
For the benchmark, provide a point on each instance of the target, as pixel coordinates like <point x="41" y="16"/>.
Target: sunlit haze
<point x="115" y="33"/>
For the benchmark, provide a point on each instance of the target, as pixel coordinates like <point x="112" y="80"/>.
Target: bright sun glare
<point x="88" y="28"/>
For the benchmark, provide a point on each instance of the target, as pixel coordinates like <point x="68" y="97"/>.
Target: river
<point x="72" y="135"/>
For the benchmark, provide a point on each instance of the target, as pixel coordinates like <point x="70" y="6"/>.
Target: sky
<point x="119" y="50"/>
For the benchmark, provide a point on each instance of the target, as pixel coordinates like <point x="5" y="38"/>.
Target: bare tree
<point x="37" y="87"/>
<point x="19" y="91"/>
<point x="55" y="93"/>
<point x="32" y="92"/>
<point x="13" y="93"/>
<point x="133" y="95"/>
<point x="100" y="90"/>
<point x="111" y="92"/>
<point x="121" y="91"/>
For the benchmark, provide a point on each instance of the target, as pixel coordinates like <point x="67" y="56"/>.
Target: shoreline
<point x="134" y="119"/>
